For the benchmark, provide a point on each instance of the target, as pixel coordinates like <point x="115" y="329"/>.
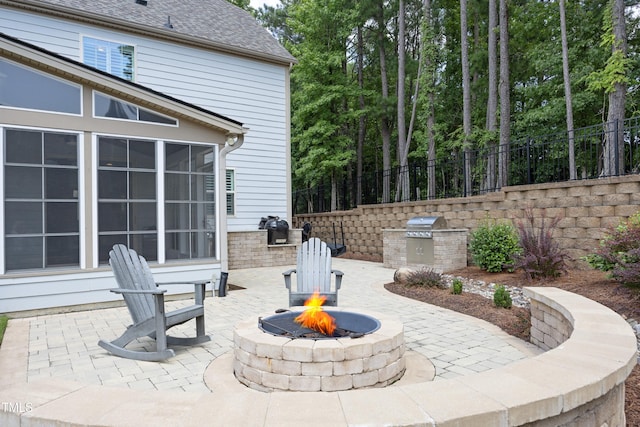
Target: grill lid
<point x="421" y="226"/>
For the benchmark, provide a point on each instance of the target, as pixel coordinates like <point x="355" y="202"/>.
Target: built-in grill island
<point x="420" y="238"/>
<point x="427" y="241"/>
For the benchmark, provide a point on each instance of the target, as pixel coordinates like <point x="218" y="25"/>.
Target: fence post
<point x="528" y="151"/>
<point x="616" y="146"/>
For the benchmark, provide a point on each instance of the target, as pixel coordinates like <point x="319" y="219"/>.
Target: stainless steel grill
<point x="422" y="226"/>
<point x="420" y="238"/>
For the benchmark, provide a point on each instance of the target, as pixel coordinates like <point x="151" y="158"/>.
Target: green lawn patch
<point x="3" y="326"/>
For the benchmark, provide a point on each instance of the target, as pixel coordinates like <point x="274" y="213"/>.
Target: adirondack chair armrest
<point x="287" y="277"/>
<point x="339" y="275"/>
<point x="138" y="291"/>
<point x="199" y="287"/>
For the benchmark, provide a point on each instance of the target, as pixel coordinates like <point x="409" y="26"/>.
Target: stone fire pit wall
<point x="266" y="362"/>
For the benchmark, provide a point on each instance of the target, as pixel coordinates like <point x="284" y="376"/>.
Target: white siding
<point x="251" y="92"/>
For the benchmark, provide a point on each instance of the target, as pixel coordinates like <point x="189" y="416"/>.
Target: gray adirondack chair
<point x="313" y="273"/>
<point x="145" y="302"/>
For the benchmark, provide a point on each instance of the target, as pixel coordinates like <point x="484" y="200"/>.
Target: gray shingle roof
<point x="214" y="21"/>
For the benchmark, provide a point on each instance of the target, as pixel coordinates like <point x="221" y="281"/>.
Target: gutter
<point x="232" y="143"/>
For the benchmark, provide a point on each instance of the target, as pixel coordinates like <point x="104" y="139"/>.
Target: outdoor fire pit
<point x="348" y="325"/>
<point x="275" y="353"/>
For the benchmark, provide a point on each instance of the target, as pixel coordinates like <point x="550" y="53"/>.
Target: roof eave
<point x="114" y="86"/>
<point x="118" y="24"/>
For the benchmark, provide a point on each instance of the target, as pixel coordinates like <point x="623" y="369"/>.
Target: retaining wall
<point x="580" y="382"/>
<point x="587" y="209"/>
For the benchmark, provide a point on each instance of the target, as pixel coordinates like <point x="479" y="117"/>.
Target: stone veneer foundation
<point x="266" y="362"/>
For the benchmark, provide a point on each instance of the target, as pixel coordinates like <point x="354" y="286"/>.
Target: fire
<point x="314" y="317"/>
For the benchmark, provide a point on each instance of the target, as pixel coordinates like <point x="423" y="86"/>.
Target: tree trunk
<point x="466" y="96"/>
<point x="505" y="102"/>
<point x="567" y="91"/>
<point x="492" y="98"/>
<point x="385" y="129"/>
<point x="614" y="141"/>
<point x="403" y="150"/>
<point x="429" y="59"/>
<point x="361" y="122"/>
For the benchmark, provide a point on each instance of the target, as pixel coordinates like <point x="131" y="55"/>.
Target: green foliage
<point x="3" y="326"/>
<point x="619" y="252"/>
<point x="541" y="255"/>
<point x="502" y="297"/>
<point x="426" y="277"/>
<point x="456" y="286"/>
<point x="493" y="245"/>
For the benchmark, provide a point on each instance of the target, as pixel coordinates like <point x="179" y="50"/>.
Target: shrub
<point x="456" y="286"/>
<point x="426" y="277"/>
<point x="493" y="245"/>
<point x="619" y="252"/>
<point x="541" y="255"/>
<point x="502" y="297"/>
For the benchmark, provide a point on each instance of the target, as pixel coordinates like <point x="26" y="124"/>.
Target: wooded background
<point x="381" y="83"/>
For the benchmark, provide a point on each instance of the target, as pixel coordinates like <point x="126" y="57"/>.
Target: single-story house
<point x="160" y="124"/>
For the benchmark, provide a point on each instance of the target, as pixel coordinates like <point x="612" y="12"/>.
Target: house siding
<point x="249" y="91"/>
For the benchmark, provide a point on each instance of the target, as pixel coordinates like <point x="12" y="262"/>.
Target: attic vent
<point x="142" y="2"/>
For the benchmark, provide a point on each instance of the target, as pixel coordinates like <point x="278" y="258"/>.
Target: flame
<point x="314" y="317"/>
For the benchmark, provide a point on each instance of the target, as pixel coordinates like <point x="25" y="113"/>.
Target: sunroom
<point x="89" y="160"/>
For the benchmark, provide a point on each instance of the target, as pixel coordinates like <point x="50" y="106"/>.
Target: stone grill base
<point x="267" y="363"/>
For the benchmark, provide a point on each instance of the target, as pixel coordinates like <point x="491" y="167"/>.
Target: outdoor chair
<point x="145" y="302"/>
<point x="313" y="273"/>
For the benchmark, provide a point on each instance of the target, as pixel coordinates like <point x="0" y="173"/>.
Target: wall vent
<point x="142" y="2"/>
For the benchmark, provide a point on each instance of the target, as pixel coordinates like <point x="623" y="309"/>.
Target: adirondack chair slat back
<point x="132" y="272"/>
<point x="314" y="267"/>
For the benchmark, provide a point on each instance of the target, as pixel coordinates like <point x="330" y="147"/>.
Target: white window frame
<point x="81" y="197"/>
<point x="230" y="190"/>
<point x="110" y="42"/>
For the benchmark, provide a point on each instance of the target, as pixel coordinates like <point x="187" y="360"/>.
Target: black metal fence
<point x="531" y="160"/>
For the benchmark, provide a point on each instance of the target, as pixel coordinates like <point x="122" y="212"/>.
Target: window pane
<point x="201" y="159"/>
<point x="105" y="243"/>
<point x="23" y="217"/>
<point x="200" y="188"/>
<point x="112" y="184"/>
<point x="120" y="110"/>
<point x="23" y="146"/>
<point x="142" y="154"/>
<point x="201" y="219"/>
<point x="23" y="182"/>
<point x="176" y="216"/>
<point x="146" y="245"/>
<point x="60" y="149"/>
<point x="150" y="116"/>
<point x="231" y="209"/>
<point x="113" y="152"/>
<point x="23" y="87"/>
<point x="23" y="253"/>
<point x="176" y="186"/>
<point x="142" y="185"/>
<point x="202" y="245"/>
<point x="142" y="216"/>
<point x="62" y="217"/>
<point x="177" y="157"/>
<point x="61" y="183"/>
<point x="112" y="216"/>
<point x="177" y="245"/>
<point x="111" y="57"/>
<point x="62" y="250"/>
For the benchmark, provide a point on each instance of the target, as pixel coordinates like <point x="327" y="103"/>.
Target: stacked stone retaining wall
<point x="587" y="209"/>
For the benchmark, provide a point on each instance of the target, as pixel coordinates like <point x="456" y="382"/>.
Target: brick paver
<point x="64" y="346"/>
